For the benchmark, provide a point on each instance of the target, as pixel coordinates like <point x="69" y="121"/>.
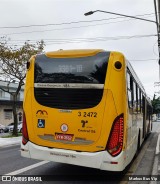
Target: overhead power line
<point x="67" y="23"/>
<point x="65" y="28"/>
<point x="100" y="39"/>
<point x="80" y="40"/>
<point x="153" y="59"/>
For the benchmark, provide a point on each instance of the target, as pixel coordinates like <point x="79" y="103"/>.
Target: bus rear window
<point x="91" y="69"/>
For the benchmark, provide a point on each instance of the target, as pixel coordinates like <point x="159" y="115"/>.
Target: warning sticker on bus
<point x="65" y="137"/>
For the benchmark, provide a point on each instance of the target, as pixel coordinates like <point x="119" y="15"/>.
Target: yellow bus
<point x="84" y="107"/>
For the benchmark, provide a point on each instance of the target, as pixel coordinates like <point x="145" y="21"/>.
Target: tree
<point x="156" y="105"/>
<point x="13" y="68"/>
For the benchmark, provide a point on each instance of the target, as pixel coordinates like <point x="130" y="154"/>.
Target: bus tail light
<point x="115" y="141"/>
<point x="25" y="137"/>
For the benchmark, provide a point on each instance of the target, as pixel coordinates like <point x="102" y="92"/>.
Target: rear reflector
<point x="114" y="162"/>
<point x="25" y="137"/>
<point x="115" y="141"/>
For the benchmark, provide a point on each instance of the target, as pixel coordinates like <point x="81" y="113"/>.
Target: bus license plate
<point x="65" y="137"/>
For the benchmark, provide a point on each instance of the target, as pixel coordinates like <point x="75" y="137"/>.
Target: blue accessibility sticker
<point x="41" y="123"/>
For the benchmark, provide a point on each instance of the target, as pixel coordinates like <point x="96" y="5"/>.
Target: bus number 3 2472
<point x="87" y="114"/>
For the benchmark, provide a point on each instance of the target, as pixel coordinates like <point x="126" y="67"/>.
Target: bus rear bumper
<point x="100" y="160"/>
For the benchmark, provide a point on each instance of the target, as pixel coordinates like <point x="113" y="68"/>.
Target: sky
<point x="62" y="25"/>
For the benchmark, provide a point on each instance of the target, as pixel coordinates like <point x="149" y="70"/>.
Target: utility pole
<point x="157" y="15"/>
<point x="158" y="28"/>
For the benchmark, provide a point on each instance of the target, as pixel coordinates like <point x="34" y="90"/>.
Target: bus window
<point x="128" y="81"/>
<point x="134" y="97"/>
<point x="138" y="100"/>
<point x="141" y="102"/>
<point x="69" y="79"/>
<point x="90" y="70"/>
<point x="129" y="90"/>
<point x="130" y="98"/>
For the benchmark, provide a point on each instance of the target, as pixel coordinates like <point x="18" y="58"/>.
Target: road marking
<point x="27" y="168"/>
<point x="157" y="147"/>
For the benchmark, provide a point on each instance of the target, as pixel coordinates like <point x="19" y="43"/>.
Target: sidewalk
<point x="10" y="141"/>
<point x="156" y="163"/>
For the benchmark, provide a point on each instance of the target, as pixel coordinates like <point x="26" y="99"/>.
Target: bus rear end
<point x="71" y="109"/>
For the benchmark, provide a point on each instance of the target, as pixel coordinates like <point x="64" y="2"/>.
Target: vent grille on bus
<point x="68" y="98"/>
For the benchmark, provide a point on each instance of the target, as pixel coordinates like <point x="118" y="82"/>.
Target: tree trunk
<point x="15" y="133"/>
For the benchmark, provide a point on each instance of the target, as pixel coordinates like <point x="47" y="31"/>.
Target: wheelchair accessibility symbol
<point x="41" y="123"/>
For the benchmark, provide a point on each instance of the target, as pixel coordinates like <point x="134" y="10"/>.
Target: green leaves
<point x="156" y="105"/>
<point x="13" y="60"/>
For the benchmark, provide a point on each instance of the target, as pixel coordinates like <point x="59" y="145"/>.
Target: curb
<point x="156" y="161"/>
<point x="155" y="169"/>
<point x="6" y="142"/>
<point x="8" y="145"/>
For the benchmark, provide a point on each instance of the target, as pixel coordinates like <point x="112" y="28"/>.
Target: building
<point x="6" y="101"/>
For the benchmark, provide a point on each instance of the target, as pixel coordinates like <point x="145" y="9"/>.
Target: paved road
<point x="11" y="162"/>
<point x="10" y="159"/>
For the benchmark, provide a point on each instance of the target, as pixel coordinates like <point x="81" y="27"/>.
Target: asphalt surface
<point x="10" y="159"/>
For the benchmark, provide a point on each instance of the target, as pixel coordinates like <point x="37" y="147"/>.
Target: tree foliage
<point x="13" y="67"/>
<point x="156" y="105"/>
<point x="13" y="60"/>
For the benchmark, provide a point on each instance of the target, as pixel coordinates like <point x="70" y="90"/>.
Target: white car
<point x="19" y="128"/>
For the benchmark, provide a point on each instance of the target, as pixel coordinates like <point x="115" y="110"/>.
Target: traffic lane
<point x="10" y="159"/>
<point x="64" y="173"/>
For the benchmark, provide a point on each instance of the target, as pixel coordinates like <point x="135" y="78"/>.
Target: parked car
<point x="3" y="129"/>
<point x="10" y="125"/>
<point x="19" y="127"/>
<point x="6" y="129"/>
